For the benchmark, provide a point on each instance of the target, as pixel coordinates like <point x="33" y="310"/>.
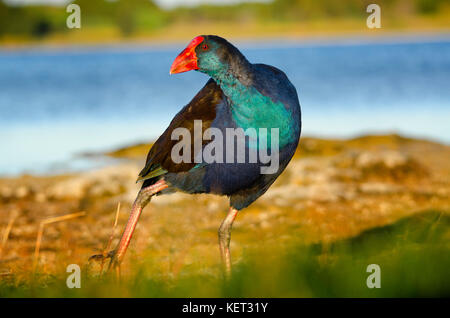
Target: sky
<point x="161" y="3"/>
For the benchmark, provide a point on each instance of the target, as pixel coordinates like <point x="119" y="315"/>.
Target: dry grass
<point x="45" y="222"/>
<point x="108" y="245"/>
<point x="7" y="231"/>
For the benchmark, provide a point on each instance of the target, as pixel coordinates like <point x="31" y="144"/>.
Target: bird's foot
<point x="114" y="263"/>
<point x="102" y="257"/>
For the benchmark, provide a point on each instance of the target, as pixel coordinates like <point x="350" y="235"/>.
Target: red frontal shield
<point x="186" y="60"/>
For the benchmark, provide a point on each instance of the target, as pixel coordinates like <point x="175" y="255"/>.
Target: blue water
<point x="57" y="104"/>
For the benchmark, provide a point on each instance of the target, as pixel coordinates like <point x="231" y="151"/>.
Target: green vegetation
<point x="112" y="20"/>
<point x="413" y="255"/>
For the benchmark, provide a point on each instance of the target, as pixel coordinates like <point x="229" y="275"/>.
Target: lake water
<point x="57" y="104"/>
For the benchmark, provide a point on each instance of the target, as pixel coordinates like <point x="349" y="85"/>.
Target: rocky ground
<point x="332" y="190"/>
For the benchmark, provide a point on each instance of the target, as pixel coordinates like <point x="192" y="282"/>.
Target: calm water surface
<point x="57" y="104"/>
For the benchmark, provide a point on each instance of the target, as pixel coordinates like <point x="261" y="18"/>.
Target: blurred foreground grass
<point x="413" y="254"/>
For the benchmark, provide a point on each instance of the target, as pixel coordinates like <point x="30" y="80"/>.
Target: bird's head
<point x="207" y="54"/>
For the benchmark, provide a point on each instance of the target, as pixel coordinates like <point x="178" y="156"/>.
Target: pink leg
<point x="142" y="199"/>
<point x="224" y="239"/>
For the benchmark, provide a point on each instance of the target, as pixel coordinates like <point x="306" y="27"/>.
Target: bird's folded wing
<point x="202" y="107"/>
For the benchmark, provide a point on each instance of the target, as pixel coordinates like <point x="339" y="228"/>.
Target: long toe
<point x="102" y="257"/>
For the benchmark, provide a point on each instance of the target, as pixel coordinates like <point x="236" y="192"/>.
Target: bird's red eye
<point x="205" y="47"/>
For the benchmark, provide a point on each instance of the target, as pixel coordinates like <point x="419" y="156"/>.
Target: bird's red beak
<point x="186" y="60"/>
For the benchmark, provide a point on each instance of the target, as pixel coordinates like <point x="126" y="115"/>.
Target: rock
<point x="265" y="224"/>
<point x="323" y="192"/>
<point x="323" y="170"/>
<point x="99" y="189"/>
<point x="379" y="188"/>
<point x="310" y="170"/>
<point x="390" y="159"/>
<point x="21" y="192"/>
<point x="72" y="188"/>
<point x="40" y="197"/>
<point x="388" y="164"/>
<point x="108" y="181"/>
<point x="171" y="198"/>
<point x="213" y="206"/>
<point x="6" y="192"/>
<point x="330" y="192"/>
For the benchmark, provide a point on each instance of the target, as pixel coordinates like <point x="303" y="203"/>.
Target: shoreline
<point x="135" y="153"/>
<point x="305" y="40"/>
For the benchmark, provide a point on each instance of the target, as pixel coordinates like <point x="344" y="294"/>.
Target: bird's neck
<point x="233" y="75"/>
<point x="235" y="78"/>
<point x="249" y="107"/>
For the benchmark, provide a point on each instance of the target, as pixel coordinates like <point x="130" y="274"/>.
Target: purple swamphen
<point x="238" y="94"/>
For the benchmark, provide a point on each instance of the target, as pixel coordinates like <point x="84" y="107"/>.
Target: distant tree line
<point x="131" y="16"/>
